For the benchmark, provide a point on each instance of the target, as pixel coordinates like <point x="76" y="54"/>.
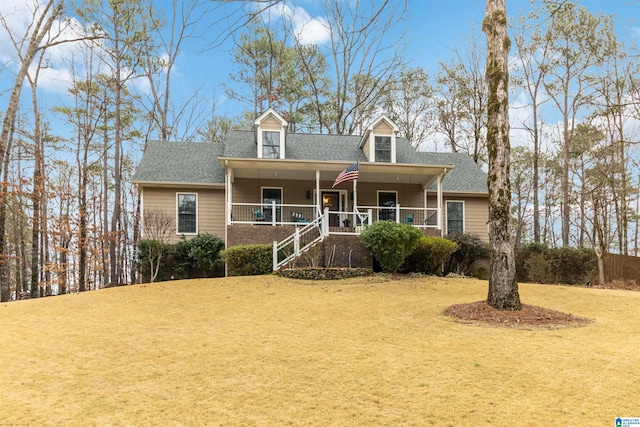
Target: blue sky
<point x="434" y="28"/>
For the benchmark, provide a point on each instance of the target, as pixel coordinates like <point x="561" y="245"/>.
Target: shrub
<point x="470" y="249"/>
<point x="390" y="243"/>
<point x="248" y="260"/>
<point x="429" y="255"/>
<point x="537" y="263"/>
<point x="199" y="256"/>
<point x="572" y="265"/>
<point x="531" y="263"/>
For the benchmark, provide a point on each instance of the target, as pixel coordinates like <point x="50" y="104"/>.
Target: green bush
<point x="390" y="243"/>
<point x="198" y="256"/>
<point x="537" y="263"/>
<point x="429" y="255"/>
<point x="572" y="266"/>
<point x="248" y="260"/>
<point x="531" y="263"/>
<point x="470" y="249"/>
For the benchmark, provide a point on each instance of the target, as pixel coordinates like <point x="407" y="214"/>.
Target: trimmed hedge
<point x="429" y="256"/>
<point x="324" y="273"/>
<point x="248" y="260"/>
<point x="538" y="263"/>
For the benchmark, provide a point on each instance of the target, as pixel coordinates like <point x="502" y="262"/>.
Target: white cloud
<point x="55" y="74"/>
<point x="306" y="30"/>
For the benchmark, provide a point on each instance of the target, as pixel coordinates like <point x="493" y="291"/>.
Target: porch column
<point x="317" y="210"/>
<point x="440" y="213"/>
<point x="229" y="193"/>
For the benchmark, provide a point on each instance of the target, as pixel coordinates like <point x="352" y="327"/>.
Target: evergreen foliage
<point x="391" y="243"/>
<point x="248" y="260"/>
<point x="429" y="256"/>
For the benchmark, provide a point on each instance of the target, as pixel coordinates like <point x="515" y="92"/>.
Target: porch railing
<point x="348" y="221"/>
<point x="418" y="217"/>
<point x="272" y="213"/>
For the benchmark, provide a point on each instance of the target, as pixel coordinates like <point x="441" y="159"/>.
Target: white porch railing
<point x="418" y="217"/>
<point x="348" y="221"/>
<point x="272" y="213"/>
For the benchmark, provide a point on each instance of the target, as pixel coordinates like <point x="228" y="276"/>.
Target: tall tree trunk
<point x="503" y="288"/>
<point x="536" y="175"/>
<point x="40" y="29"/>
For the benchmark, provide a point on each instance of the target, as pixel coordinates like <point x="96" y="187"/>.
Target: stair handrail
<point x="295" y="239"/>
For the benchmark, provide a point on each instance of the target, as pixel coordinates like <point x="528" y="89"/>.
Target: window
<point x="383" y="149"/>
<point x="187" y="222"/>
<point x="455" y="217"/>
<point x="270" y="145"/>
<point x="270" y="195"/>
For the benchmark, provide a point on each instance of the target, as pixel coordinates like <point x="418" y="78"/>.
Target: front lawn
<point x="266" y="350"/>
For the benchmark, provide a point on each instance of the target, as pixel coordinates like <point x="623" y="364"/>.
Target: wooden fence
<point x="621" y="267"/>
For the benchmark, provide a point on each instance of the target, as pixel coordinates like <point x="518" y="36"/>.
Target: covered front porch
<point x="269" y="192"/>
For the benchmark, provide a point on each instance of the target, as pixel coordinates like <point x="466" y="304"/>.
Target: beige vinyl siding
<point x="476" y="217"/>
<point x="270" y="123"/>
<point x="383" y="129"/>
<point x="210" y="208"/>
<point x="365" y="149"/>
<point x="476" y="213"/>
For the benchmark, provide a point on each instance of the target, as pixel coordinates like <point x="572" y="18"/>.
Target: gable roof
<point x="196" y="163"/>
<point x="180" y="163"/>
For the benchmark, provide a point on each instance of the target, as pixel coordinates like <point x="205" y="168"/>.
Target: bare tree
<point x="462" y="101"/>
<point x="409" y="103"/>
<point x="363" y="56"/>
<point x="43" y="18"/>
<point x="503" y="287"/>
<point x="157" y="229"/>
<point x="532" y="65"/>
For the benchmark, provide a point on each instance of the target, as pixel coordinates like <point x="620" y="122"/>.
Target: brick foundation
<point x="247" y="234"/>
<point x="349" y="252"/>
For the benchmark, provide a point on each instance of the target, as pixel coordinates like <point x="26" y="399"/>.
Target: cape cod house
<point x="270" y="185"/>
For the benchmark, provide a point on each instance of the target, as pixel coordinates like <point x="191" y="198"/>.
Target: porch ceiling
<point x="400" y="173"/>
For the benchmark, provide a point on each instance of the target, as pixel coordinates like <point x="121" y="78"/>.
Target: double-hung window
<point x="270" y="145"/>
<point x="455" y="217"/>
<point x="383" y="149"/>
<point x="187" y="213"/>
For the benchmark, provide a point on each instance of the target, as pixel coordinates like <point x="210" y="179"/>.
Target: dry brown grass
<point x="273" y="351"/>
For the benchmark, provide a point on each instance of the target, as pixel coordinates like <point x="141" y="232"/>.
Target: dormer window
<point x="270" y="145"/>
<point x="383" y="149"/>
<point x="270" y="135"/>
<point x="379" y="141"/>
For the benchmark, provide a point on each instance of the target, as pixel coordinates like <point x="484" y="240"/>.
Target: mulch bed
<point x="529" y="317"/>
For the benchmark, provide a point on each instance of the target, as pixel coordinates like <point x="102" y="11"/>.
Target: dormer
<point x="270" y="135"/>
<point x="379" y="140"/>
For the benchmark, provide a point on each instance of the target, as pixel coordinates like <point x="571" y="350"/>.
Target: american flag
<point x="349" y="174"/>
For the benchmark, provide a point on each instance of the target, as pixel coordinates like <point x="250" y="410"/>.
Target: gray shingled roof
<point x="186" y="162"/>
<point x="196" y="162"/>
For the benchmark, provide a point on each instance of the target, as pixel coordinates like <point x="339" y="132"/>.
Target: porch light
<point x="308" y="194"/>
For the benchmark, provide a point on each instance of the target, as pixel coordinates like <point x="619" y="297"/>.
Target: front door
<point x="331" y="200"/>
<point x="386" y="201"/>
<point x="270" y="195"/>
